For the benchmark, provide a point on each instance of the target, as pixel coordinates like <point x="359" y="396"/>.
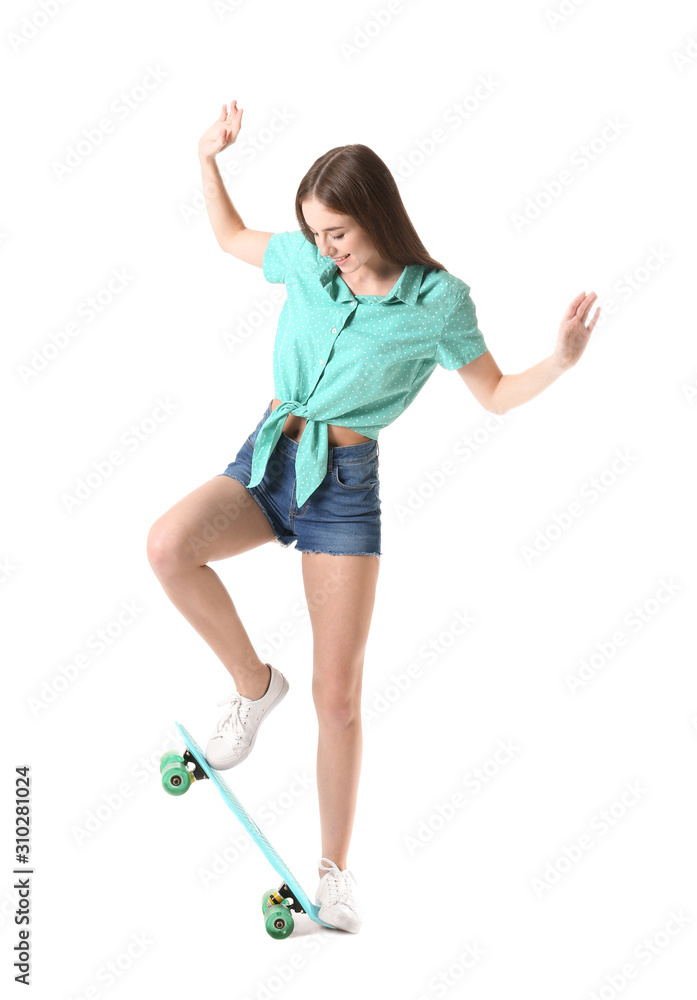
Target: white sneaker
<point x="234" y="736"/>
<point x="337" y="897"/>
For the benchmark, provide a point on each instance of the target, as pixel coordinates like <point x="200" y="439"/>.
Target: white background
<point x="499" y="876"/>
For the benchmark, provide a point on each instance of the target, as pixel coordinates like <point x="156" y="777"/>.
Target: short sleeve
<point x="461" y="340"/>
<point x="280" y="253"/>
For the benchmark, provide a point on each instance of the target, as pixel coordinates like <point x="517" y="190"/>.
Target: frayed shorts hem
<point x="322" y="552"/>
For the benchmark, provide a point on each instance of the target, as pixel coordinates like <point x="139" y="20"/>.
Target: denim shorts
<point x="341" y="517"/>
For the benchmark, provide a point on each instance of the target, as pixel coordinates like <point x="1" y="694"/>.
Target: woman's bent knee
<point x="168" y="552"/>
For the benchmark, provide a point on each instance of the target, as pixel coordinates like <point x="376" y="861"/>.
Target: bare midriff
<point x="337" y="436"/>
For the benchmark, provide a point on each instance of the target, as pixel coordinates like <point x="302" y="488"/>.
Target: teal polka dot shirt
<point x="355" y="360"/>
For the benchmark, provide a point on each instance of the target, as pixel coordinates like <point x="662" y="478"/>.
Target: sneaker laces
<point x="233" y="721"/>
<point x="340" y="885"/>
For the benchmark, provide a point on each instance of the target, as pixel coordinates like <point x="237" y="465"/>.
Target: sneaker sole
<point x="325" y="914"/>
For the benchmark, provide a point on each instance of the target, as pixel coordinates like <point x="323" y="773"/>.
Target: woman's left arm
<point x="499" y="393"/>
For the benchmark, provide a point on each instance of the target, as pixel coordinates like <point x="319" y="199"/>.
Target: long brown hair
<point x="353" y="180"/>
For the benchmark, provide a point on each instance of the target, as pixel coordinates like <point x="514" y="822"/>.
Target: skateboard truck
<point x="285" y="895"/>
<point x="198" y="772"/>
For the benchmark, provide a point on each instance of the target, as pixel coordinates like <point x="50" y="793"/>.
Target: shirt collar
<point x="406" y="288"/>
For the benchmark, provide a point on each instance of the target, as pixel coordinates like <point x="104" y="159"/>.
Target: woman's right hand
<point x="222" y="133"/>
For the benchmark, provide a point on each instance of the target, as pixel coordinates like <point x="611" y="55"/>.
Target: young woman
<point x="368" y="316"/>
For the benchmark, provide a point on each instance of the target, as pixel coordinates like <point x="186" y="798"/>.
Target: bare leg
<point x="215" y="521"/>
<point x="340" y="592"/>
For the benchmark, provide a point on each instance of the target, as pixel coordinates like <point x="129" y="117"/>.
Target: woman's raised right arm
<point x="230" y="231"/>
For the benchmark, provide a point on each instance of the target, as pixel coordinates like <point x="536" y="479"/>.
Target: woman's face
<point x="339" y="237"/>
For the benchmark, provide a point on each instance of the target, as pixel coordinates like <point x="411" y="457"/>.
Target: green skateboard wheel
<point x="279" y="921"/>
<point x="168" y="757"/>
<point x="176" y="778"/>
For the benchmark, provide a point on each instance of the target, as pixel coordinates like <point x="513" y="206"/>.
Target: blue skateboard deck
<point x="257" y="835"/>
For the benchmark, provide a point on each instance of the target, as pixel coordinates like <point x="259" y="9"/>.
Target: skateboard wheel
<point x="279" y="921"/>
<point x="176" y="778"/>
<point x="168" y="757"/>
<point x="266" y="902"/>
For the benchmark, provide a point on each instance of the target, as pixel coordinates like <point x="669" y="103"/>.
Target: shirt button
<point x="333" y="329"/>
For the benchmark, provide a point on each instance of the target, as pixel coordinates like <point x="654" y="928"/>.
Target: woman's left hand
<point x="573" y="333"/>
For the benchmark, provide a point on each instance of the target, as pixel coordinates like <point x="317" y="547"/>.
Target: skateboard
<point x="179" y="772"/>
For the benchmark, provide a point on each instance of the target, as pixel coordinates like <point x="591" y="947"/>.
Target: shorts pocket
<point x="355" y="475"/>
